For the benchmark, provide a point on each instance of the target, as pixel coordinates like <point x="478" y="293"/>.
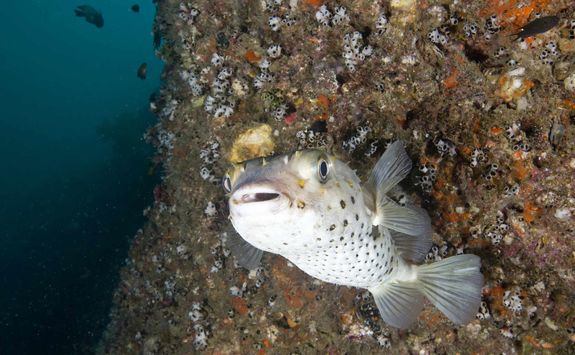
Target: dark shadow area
<point x="65" y="242"/>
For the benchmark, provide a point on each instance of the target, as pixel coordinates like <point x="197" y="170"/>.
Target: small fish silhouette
<point x="142" y="71"/>
<point x="540" y="25"/>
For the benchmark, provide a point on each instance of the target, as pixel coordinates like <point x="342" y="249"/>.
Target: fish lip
<point x="259" y="197"/>
<point x="256" y="194"/>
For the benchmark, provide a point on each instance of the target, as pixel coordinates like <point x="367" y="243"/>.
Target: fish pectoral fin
<point x="409" y="247"/>
<point x="453" y="285"/>
<point x="392" y="167"/>
<point x="79" y="12"/>
<point x="246" y="254"/>
<point x="410" y="220"/>
<point x="399" y="302"/>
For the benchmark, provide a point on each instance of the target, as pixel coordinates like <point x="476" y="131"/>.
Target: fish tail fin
<point x="453" y="285"/>
<point x="399" y="302"/>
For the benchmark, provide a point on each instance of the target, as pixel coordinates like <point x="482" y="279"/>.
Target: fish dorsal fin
<point x="409" y="221"/>
<point x="392" y="167"/>
<point x="246" y="254"/>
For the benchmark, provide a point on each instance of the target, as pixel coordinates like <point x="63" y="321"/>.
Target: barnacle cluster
<point x="427" y="178"/>
<point x="310" y="139"/>
<point x="197" y="316"/>
<point x="497" y="232"/>
<point x="327" y="18"/>
<point x="513" y="300"/>
<point x="221" y="102"/>
<point x="549" y="53"/>
<point x="356" y="139"/>
<point x="483" y="312"/>
<point x="354" y="50"/>
<point x="278" y="18"/>
<point x="209" y="155"/>
<point x="188" y="13"/>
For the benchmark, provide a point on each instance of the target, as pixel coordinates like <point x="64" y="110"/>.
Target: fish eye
<point x="227" y="183"/>
<point x="322" y="170"/>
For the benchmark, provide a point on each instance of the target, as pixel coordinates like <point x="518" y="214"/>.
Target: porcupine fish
<point x="312" y="209"/>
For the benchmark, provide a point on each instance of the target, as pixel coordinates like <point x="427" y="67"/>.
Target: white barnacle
<point x="274" y="51"/>
<point x="323" y="15"/>
<point x="275" y="23"/>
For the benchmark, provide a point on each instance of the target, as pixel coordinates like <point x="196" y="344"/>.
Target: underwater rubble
<point x="487" y="116"/>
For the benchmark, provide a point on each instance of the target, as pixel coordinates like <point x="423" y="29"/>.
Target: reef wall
<point x="487" y="119"/>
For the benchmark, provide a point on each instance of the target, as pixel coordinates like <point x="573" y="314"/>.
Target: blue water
<point x="75" y="172"/>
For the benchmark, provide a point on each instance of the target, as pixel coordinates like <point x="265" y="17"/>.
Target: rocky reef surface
<point x="487" y="119"/>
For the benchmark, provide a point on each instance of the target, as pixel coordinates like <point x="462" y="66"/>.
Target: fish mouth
<point x="252" y="194"/>
<point x="258" y="197"/>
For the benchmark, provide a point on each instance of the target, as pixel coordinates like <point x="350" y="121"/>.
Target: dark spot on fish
<point x="285" y="243"/>
<point x="352" y="199"/>
<point x="356" y="217"/>
<point x="345" y="222"/>
<point x="362" y="225"/>
<point x="342" y="203"/>
<point x="341" y="238"/>
<point x="135" y="8"/>
<point x="332" y="227"/>
<point x="357" y="255"/>
<point x="391" y="261"/>
<point x="352" y="234"/>
<point x="331" y="240"/>
<point x="318" y="239"/>
<point x="301" y="205"/>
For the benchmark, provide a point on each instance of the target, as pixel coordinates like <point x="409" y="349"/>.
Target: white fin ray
<point x="246" y="254"/>
<point x="399" y="302"/>
<point x="410" y="248"/>
<point x="453" y="285"/>
<point x="410" y="220"/>
<point x="393" y="166"/>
